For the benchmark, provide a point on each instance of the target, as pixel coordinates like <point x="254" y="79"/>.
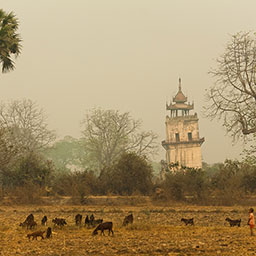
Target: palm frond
<point x="10" y="41"/>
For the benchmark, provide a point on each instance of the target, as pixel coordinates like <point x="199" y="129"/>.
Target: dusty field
<point x="156" y="231"/>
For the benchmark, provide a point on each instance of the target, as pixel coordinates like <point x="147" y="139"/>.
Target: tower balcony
<point x="167" y="144"/>
<point x="184" y="117"/>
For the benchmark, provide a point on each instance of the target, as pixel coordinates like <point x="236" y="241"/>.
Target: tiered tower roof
<point x="179" y="101"/>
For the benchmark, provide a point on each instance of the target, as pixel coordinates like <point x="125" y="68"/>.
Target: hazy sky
<point x="125" y="55"/>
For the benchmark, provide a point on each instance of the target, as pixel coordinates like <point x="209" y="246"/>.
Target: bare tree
<point x="233" y="97"/>
<point x="108" y="134"/>
<point x="23" y="126"/>
<point x="8" y="151"/>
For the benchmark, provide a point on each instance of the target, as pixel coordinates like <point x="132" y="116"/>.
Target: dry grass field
<point x="156" y="231"/>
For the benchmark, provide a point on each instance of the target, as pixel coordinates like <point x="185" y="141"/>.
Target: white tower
<point x="182" y="144"/>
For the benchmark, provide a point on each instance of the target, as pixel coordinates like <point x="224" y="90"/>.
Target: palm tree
<point x="10" y="41"/>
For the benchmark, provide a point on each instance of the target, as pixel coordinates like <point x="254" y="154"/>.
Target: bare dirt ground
<point x="156" y="231"/>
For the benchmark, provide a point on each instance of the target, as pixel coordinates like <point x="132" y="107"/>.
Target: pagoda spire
<point x="179" y="103"/>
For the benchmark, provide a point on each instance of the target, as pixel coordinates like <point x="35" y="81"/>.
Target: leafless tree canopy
<point x="108" y="134"/>
<point x="23" y="127"/>
<point x="8" y="151"/>
<point x="233" y="97"/>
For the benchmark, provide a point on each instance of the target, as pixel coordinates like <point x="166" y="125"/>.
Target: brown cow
<point x="128" y="220"/>
<point x="59" y="222"/>
<point x="36" y="234"/>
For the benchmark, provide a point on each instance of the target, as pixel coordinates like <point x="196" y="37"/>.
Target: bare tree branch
<point x="22" y="129"/>
<point x="108" y="134"/>
<point x="233" y="96"/>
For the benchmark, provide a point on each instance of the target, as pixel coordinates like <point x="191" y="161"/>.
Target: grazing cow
<point x="87" y="221"/>
<point x="128" y="220"/>
<point x="29" y="218"/>
<point x="59" y="222"/>
<point x="92" y="218"/>
<point x="78" y="219"/>
<point x="49" y="232"/>
<point x="31" y="224"/>
<point x="44" y="221"/>
<point x="36" y="234"/>
<point x="188" y="221"/>
<point x="102" y="227"/>
<point x="233" y="223"/>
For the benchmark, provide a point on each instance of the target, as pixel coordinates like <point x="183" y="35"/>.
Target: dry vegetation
<point x="156" y="231"/>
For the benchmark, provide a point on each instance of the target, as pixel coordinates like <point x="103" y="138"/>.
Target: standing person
<point x="251" y="220"/>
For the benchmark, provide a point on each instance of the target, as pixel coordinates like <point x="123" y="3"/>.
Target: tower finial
<point x="179" y="84"/>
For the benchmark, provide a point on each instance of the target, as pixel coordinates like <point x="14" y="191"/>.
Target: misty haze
<point x="127" y="127"/>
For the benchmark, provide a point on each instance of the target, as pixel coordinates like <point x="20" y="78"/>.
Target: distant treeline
<point x="225" y="183"/>
<point x="221" y="184"/>
<point x="34" y="176"/>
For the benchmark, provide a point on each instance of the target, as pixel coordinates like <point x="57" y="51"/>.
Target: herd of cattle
<point x="231" y="222"/>
<point x="91" y="222"/>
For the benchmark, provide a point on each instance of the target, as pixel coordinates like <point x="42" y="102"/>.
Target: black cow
<point x="233" y="223"/>
<point x="44" y="221"/>
<point x="49" y="232"/>
<point x="78" y="219"/>
<point x="188" y="221"/>
<point x="102" y="227"/>
<point x="86" y="221"/>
